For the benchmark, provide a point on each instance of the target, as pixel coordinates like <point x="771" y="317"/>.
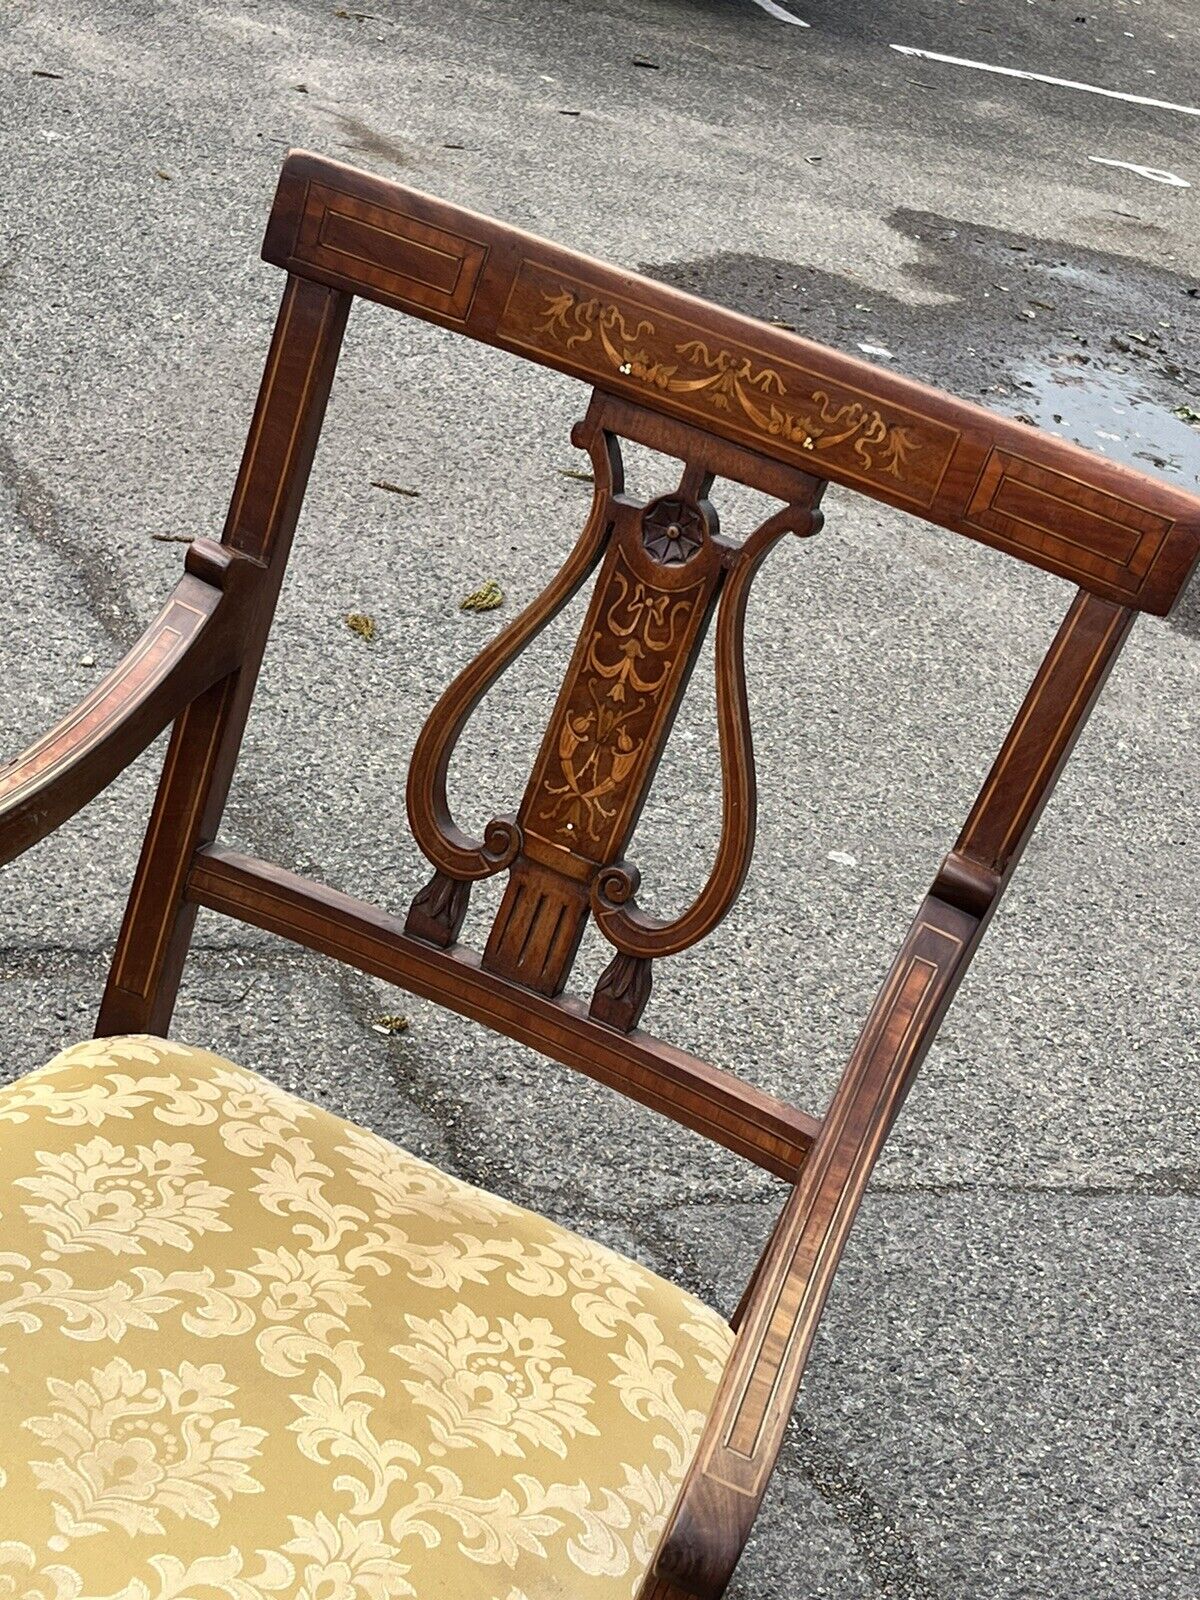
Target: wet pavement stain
<point x="1094" y="347"/>
<point x="369" y="141"/>
<point x="1112" y="412"/>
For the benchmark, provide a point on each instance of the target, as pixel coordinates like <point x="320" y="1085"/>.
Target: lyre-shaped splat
<point x="665" y="570"/>
<point x="650" y="607"/>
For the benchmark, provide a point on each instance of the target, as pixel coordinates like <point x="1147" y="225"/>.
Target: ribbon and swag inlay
<point x="731" y="382"/>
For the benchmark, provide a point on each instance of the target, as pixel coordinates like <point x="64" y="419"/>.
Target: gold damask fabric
<point x="248" y="1349"/>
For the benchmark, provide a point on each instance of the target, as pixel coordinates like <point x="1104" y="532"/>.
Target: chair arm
<point x="193" y="642"/>
<point x="721" y="1495"/>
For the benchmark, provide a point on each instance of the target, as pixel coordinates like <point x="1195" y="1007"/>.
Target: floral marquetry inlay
<point x="595" y="757"/>
<point x="764" y="400"/>
<point x="729" y="381"/>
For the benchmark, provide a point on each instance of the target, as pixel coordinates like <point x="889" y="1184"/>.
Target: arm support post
<point x="722" y="1493"/>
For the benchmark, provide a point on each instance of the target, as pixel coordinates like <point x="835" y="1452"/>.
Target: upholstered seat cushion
<point x="253" y="1350"/>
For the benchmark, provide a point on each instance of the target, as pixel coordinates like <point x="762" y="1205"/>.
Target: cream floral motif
<point x="98" y="1195"/>
<point x="117" y="1308"/>
<point x="402" y="1186"/>
<point x="224" y="1574"/>
<point x="259" y="1354"/>
<point x="604" y="1285"/>
<point x="249" y="1099"/>
<point x="294" y="1185"/>
<point x="495" y="1384"/>
<point x="730" y="381"/>
<point x="336" y="1424"/>
<point x="348" y="1560"/>
<point x="116" y="1094"/>
<point x="453" y="1263"/>
<point x="128" y="1450"/>
<point x="19" y="1581"/>
<point x="298" y="1282"/>
<point x="604" y="1294"/>
<point x="712" y="1336"/>
<point x="650" y="1493"/>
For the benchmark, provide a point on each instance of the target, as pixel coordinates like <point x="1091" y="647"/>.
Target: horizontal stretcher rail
<point x="702" y="1097"/>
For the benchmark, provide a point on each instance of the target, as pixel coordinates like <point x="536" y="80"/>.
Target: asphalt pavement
<point x="1002" y="1402"/>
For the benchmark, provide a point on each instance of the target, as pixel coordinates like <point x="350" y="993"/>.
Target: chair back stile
<point x="151" y="949"/>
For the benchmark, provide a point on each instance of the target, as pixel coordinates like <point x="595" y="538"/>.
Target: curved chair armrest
<point x="721" y="1495"/>
<point x="193" y="642"/>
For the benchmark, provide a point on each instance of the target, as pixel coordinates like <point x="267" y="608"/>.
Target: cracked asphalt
<point x="1002" y="1402"/>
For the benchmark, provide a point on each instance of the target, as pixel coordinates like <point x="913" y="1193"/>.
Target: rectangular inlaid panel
<point x="773" y="403"/>
<point x="1051" y="514"/>
<point x="408" y="262"/>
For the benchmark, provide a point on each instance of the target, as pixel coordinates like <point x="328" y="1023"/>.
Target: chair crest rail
<point x="1112" y="530"/>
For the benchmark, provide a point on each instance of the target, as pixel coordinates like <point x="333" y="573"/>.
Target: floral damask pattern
<point x="251" y="1350"/>
<point x="98" y="1195"/>
<point x="125" y="1450"/>
<point x="501" y="1385"/>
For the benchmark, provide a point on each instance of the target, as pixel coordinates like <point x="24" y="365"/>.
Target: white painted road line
<point x="1040" y="77"/>
<point x="773" y="10"/>
<point x="1155" y="173"/>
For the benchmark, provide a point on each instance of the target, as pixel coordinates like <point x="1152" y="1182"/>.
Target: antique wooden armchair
<point x="226" y="1296"/>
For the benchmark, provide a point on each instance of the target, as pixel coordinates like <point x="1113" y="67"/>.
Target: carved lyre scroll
<point x="438" y="910"/>
<point x="665" y="569"/>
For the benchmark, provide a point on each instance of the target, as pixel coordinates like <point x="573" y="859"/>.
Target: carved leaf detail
<point x="602" y="736"/>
